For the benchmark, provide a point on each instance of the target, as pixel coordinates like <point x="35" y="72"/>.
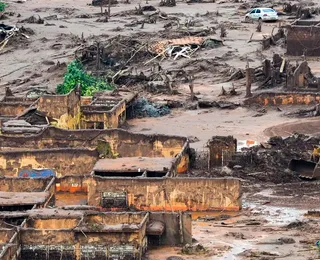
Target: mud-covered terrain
<point x="204" y="88"/>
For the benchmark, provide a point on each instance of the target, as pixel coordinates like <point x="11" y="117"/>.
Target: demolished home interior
<point x="161" y="130"/>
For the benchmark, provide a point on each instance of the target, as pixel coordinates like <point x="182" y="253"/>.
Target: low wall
<point x="285" y="98"/>
<point x="169" y="194"/>
<point x="13" y="108"/>
<point x="124" y="143"/>
<point x="24" y="184"/>
<point x="62" y="161"/>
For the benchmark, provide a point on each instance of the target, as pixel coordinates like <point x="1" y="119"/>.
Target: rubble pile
<point x="14" y="36"/>
<point x="269" y="161"/>
<point x="143" y="108"/>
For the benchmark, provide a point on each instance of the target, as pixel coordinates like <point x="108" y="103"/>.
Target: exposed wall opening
<point x="14" y="221"/>
<point x="99" y="125"/>
<point x="154" y="240"/>
<point x="16" y="208"/>
<point x="156" y="174"/>
<point x="118" y="174"/>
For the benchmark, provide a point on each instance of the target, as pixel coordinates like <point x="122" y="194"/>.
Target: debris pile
<point x="113" y="57"/>
<point x="269" y="161"/>
<point x="194" y="249"/>
<point x="33" y="19"/>
<point x="13" y="35"/>
<point x="143" y="108"/>
<point x="184" y="47"/>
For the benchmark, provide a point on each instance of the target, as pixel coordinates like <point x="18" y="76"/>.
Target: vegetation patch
<point x="76" y="75"/>
<point x="2" y="6"/>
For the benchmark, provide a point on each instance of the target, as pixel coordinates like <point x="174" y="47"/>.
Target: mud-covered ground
<point x="272" y="224"/>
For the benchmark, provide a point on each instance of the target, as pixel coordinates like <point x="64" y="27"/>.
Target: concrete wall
<point x="62" y="161"/>
<point x="170" y="194"/>
<point x="302" y="37"/>
<point x="285" y="98"/>
<point x="65" y="109"/>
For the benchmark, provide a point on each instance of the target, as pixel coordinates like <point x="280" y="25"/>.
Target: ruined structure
<point x="69" y="111"/>
<point x="303" y="38"/>
<point x="221" y="149"/>
<point x="113" y="192"/>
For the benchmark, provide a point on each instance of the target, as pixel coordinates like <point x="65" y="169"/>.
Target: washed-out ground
<point x="272" y="223"/>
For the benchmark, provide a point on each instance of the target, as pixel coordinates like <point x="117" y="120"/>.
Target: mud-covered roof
<point x="22" y="198"/>
<point x="134" y="164"/>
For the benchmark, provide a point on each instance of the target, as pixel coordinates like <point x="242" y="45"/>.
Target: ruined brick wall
<point x="303" y="39"/>
<point x="62" y="161"/>
<point x="285" y="98"/>
<point x="23" y="184"/>
<point x="12" y="109"/>
<point x="63" y="108"/>
<point x="170" y="194"/>
<point x="110" y="119"/>
<point x="221" y="149"/>
<point x="124" y="143"/>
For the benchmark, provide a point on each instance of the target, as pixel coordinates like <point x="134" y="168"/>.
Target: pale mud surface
<point x="267" y="209"/>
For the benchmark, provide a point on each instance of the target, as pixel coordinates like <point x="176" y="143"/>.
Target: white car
<point x="264" y="14"/>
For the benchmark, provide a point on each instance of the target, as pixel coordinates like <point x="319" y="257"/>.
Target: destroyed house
<point x="70" y="111"/>
<point x="26" y="193"/>
<point x="122" y="170"/>
<point x="88" y="234"/>
<point x="303" y="38"/>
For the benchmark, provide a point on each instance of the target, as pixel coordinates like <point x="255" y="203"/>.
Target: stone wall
<point x="170" y="194"/>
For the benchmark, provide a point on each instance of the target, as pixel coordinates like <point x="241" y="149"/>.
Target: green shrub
<point x="2" y="6"/>
<point x="76" y="75"/>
